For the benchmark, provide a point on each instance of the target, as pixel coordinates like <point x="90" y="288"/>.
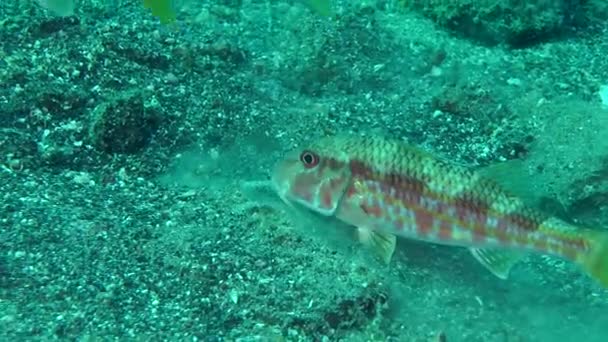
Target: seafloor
<point x="131" y="154"/>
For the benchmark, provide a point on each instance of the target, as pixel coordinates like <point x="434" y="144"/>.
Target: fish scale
<point x="387" y="188"/>
<point x="416" y="215"/>
<point x="479" y="212"/>
<point x="428" y="211"/>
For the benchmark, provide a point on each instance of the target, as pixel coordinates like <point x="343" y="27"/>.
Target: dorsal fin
<point x="514" y="178"/>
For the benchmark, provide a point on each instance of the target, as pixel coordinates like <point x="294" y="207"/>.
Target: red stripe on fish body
<point x="327" y="201"/>
<point x="445" y="231"/>
<point x="424" y="222"/>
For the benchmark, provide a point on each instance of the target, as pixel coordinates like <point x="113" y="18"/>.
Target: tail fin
<point x="595" y="261"/>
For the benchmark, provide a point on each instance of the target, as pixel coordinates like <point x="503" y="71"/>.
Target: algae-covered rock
<point x="514" y="22"/>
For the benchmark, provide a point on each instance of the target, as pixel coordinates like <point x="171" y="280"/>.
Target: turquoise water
<point x="135" y="156"/>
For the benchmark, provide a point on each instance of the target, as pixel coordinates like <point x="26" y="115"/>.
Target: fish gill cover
<point x="136" y="160"/>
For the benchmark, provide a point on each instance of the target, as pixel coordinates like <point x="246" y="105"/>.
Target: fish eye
<point x="309" y="159"/>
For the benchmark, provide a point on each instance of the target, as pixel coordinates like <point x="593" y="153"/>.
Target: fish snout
<point x="282" y="178"/>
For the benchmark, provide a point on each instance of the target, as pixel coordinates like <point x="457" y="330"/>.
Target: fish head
<point x="313" y="178"/>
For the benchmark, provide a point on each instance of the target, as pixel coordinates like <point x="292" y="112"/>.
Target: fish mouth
<point x="280" y="183"/>
<point x="279" y="191"/>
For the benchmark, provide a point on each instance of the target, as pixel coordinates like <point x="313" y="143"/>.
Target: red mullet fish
<point x="387" y="188"/>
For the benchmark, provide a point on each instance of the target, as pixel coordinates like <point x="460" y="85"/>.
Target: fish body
<point x="387" y="188"/>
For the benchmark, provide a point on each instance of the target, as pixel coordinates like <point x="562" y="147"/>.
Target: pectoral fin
<point x="499" y="262"/>
<point x="383" y="244"/>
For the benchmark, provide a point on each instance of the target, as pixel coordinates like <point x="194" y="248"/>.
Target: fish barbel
<point x="387" y="188"/>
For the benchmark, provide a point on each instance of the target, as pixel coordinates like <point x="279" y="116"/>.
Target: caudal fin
<point x="595" y="261"/>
